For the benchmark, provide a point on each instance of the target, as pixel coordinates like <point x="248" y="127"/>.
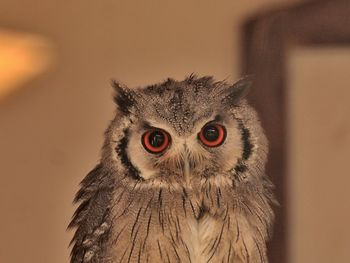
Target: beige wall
<point x="319" y="180"/>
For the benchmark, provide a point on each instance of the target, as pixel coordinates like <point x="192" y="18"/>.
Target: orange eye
<point x="212" y="135"/>
<point x="155" y="141"/>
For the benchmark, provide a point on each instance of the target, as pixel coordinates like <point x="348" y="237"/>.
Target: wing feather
<point x="91" y="217"/>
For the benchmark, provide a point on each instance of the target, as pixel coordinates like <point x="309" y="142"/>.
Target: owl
<point x="181" y="179"/>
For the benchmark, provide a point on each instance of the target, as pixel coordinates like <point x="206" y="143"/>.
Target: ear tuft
<point x="124" y="97"/>
<point x="239" y="90"/>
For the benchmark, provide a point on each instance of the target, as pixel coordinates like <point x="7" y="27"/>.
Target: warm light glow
<point x="22" y="56"/>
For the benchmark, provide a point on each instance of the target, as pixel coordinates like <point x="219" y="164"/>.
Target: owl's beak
<point x="186" y="165"/>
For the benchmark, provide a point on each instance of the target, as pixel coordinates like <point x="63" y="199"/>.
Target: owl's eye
<point x="212" y="135"/>
<point x="155" y="141"/>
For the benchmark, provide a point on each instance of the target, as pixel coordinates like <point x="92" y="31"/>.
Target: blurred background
<point x="56" y="62"/>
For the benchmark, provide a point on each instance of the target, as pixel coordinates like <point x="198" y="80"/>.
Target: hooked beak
<point x="186" y="165"/>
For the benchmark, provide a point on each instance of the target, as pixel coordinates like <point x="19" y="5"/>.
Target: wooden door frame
<point x="267" y="38"/>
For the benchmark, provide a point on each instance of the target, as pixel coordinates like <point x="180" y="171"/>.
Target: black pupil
<point x="156" y="139"/>
<point x="211" y="133"/>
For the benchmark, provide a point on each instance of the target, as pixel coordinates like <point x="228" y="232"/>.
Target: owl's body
<point x="196" y="193"/>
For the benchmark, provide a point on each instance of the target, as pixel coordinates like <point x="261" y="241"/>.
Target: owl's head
<point x="182" y="130"/>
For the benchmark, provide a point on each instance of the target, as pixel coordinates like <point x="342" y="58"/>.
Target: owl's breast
<point x="208" y="240"/>
<point x="186" y="226"/>
<point x="199" y="236"/>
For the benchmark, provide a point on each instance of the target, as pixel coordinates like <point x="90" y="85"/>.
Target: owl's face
<point x="180" y="130"/>
<point x="156" y="148"/>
